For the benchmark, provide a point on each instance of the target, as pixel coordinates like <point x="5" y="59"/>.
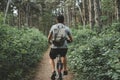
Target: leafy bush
<point x="96" y="57"/>
<point x="20" y="50"/>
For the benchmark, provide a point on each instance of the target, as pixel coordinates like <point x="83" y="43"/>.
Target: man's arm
<point x="49" y="37"/>
<point x="70" y="37"/>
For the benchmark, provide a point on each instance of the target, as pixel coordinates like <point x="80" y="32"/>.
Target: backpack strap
<point x="57" y="32"/>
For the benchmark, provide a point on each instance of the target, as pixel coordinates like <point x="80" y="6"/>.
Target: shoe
<point x="53" y="75"/>
<point x="65" y="72"/>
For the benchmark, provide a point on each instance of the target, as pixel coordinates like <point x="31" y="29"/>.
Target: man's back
<point x="66" y="34"/>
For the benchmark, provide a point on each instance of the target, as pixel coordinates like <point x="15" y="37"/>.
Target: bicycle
<point x="59" y="67"/>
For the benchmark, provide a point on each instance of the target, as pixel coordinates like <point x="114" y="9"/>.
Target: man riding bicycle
<point x="55" y="49"/>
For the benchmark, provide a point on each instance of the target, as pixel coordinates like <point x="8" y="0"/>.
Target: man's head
<point x="60" y="19"/>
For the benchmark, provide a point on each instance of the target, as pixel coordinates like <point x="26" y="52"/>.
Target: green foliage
<point x="20" y="50"/>
<point x="107" y="5"/>
<point x="96" y="57"/>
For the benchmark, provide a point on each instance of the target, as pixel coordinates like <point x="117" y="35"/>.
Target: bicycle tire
<point x="60" y="79"/>
<point x="60" y="76"/>
<point x="59" y="65"/>
<point x="59" y="68"/>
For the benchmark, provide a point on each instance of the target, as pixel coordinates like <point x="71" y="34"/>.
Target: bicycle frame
<point x="59" y="67"/>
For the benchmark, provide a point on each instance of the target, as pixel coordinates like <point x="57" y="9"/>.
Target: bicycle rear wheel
<point x="59" y="69"/>
<point x="60" y="76"/>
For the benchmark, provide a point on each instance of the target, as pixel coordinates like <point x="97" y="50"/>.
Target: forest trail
<point x="43" y="71"/>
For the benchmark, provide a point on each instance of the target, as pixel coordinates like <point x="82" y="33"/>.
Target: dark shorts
<point x="54" y="52"/>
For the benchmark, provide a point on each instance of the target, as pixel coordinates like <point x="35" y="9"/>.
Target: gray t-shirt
<point x="67" y="31"/>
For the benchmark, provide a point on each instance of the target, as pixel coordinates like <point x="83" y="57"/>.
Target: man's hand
<point x="49" y="38"/>
<point x="49" y="41"/>
<point x="69" y="41"/>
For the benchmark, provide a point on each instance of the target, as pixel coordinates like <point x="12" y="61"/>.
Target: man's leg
<point x="53" y="69"/>
<point x="52" y="64"/>
<point x="64" y="61"/>
<point x="52" y="57"/>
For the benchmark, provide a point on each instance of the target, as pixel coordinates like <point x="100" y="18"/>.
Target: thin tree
<point x="117" y="9"/>
<point x="91" y="13"/>
<point x="84" y="12"/>
<point x="97" y="10"/>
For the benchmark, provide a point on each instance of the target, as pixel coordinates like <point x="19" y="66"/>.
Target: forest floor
<point x="43" y="71"/>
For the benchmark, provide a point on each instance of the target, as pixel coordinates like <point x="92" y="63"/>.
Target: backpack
<point x="59" y="36"/>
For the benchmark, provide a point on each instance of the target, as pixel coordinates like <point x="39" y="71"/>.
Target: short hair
<point x="60" y="18"/>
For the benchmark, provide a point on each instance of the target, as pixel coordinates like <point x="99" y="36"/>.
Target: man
<point x="62" y="50"/>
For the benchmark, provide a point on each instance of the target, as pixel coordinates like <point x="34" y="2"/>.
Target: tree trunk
<point x="67" y="16"/>
<point x="84" y="12"/>
<point x="97" y="14"/>
<point x="27" y="13"/>
<point x="87" y="12"/>
<point x="19" y="17"/>
<point x="81" y="17"/>
<point x="91" y="13"/>
<point x="118" y="9"/>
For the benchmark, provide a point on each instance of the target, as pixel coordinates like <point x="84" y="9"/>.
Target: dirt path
<point x="43" y="71"/>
